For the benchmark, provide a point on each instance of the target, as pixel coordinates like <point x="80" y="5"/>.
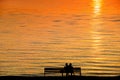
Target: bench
<point x="60" y="70"/>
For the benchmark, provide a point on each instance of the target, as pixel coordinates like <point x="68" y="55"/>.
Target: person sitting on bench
<point x="68" y="69"/>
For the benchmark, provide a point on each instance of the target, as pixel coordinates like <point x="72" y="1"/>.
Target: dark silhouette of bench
<point x="61" y="70"/>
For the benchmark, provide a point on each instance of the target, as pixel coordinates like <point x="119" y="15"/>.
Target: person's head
<point x="70" y="64"/>
<point x="66" y="64"/>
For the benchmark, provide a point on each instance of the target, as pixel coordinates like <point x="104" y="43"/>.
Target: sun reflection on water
<point x="96" y="24"/>
<point x="97" y="6"/>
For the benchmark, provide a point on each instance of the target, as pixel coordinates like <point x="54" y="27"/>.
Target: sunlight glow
<point x="96" y="24"/>
<point x="97" y="6"/>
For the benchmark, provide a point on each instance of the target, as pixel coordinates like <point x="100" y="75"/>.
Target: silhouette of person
<point x="66" y="68"/>
<point x="70" y="68"/>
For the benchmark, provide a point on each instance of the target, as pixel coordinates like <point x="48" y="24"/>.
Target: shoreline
<point x="58" y="78"/>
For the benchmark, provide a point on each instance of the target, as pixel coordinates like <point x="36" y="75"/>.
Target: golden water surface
<point x="48" y="33"/>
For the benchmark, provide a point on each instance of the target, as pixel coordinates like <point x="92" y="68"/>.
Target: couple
<point x="68" y="69"/>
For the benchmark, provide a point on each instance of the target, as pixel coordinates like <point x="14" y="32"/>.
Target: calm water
<point x="38" y="34"/>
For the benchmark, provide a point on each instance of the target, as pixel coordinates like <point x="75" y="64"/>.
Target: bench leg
<point x="73" y="74"/>
<point x="62" y="74"/>
<point x="80" y="73"/>
<point x="44" y="74"/>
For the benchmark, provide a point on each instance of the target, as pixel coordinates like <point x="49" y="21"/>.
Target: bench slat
<point x="53" y="68"/>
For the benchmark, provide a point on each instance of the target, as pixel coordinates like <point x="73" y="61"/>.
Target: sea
<point x="35" y="34"/>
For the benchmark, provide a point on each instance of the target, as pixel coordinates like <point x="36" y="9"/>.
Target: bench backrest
<point x="76" y="69"/>
<point x="52" y="69"/>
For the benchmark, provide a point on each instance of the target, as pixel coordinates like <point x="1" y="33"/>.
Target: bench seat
<point x="61" y="70"/>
